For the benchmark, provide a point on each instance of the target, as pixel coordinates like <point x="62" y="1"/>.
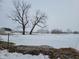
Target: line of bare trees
<point x="21" y="16"/>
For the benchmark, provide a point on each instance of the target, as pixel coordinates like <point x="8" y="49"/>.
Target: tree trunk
<point x="32" y="30"/>
<point x="23" y="30"/>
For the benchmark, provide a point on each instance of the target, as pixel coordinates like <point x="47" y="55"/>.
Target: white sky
<point x="62" y="14"/>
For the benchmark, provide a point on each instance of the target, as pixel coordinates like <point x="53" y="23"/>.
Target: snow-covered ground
<point x="54" y="40"/>
<point x="5" y="55"/>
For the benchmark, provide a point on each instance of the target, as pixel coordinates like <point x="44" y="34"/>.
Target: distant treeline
<point x="40" y="31"/>
<point x="64" y="32"/>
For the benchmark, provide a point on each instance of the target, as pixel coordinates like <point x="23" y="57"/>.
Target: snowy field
<point x="54" y="40"/>
<point x="5" y="55"/>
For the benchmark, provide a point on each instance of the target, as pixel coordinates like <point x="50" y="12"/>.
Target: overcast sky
<point x="62" y="14"/>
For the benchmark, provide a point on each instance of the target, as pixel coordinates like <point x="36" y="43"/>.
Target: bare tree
<point x="21" y="14"/>
<point x="39" y="20"/>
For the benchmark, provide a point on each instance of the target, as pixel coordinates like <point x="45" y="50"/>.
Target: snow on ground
<point x="54" y="40"/>
<point x="6" y="55"/>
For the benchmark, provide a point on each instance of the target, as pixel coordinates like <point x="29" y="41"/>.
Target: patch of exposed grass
<point x="4" y="44"/>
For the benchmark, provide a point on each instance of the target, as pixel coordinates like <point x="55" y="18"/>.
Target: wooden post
<point x="8" y="41"/>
